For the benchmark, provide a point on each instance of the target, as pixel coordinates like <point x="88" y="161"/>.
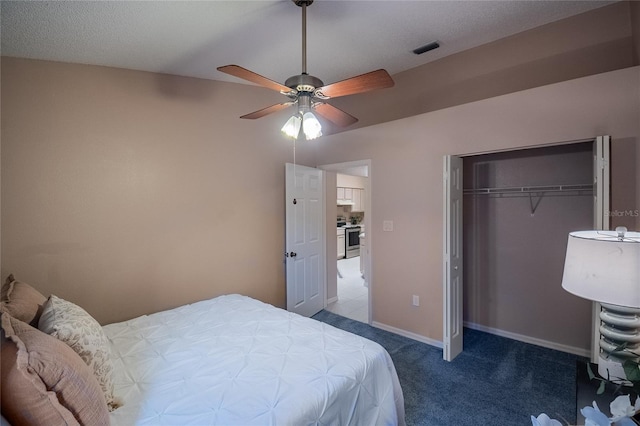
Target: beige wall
<point x="406" y="179"/>
<point x="130" y="192"/>
<point x="624" y="187"/>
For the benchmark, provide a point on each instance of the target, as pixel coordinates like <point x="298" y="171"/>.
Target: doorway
<point x="349" y="278"/>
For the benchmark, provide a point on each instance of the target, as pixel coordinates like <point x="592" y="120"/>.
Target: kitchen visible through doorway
<point x="352" y="300"/>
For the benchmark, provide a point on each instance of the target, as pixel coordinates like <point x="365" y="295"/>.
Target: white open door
<point x="452" y="256"/>
<point x="305" y="230"/>
<point x="601" y="219"/>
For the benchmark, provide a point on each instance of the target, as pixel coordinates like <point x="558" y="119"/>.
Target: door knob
<point x="293" y="254"/>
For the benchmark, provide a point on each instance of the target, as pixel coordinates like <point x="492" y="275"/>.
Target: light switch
<point x="387" y="225"/>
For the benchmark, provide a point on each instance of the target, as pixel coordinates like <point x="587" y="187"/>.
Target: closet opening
<point x="518" y="208"/>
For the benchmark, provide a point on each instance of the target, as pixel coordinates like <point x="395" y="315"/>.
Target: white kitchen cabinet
<point x="358" y="200"/>
<point x="341" y="241"/>
<point x="353" y="197"/>
<point x="348" y="194"/>
<point x="357" y="206"/>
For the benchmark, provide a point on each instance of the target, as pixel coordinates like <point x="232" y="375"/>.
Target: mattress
<point x="233" y="360"/>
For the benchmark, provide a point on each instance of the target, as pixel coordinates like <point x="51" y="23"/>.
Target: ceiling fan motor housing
<point x="304" y="83"/>
<point x="305" y="103"/>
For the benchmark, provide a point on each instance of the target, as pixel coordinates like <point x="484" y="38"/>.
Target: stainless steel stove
<point x="352" y="241"/>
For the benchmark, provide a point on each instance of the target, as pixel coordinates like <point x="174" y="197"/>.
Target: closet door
<point x="601" y="182"/>
<point x="601" y="218"/>
<point x="452" y="256"/>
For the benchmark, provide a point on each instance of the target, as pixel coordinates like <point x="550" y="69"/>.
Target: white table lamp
<point x="604" y="266"/>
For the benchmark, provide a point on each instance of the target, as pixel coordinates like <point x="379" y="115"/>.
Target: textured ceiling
<point x="188" y="38"/>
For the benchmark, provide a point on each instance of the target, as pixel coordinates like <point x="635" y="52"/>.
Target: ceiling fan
<point x="309" y="93"/>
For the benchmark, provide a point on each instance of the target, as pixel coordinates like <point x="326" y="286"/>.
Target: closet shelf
<point x="533" y="190"/>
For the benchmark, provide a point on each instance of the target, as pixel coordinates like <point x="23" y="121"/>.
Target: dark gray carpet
<point x="495" y="381"/>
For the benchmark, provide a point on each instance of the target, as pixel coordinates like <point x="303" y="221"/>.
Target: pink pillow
<point x="45" y="382"/>
<point x="21" y="301"/>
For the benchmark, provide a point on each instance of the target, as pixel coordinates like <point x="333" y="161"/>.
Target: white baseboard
<point x="528" y="339"/>
<point x="331" y="300"/>
<point x="409" y="334"/>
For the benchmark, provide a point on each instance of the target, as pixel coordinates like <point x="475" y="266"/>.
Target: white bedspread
<point x="234" y="360"/>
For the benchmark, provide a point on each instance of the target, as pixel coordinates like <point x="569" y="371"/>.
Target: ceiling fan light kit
<point x="309" y="93"/>
<point x="304" y="117"/>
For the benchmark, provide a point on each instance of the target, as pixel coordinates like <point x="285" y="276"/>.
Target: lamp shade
<point x="603" y="266"/>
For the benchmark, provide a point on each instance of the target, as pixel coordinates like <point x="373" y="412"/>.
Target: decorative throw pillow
<point x="75" y="327"/>
<point x="44" y="381"/>
<point x="21" y="301"/>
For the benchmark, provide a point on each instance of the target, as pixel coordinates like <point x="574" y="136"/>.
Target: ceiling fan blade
<point x="268" y="110"/>
<point x="335" y="115"/>
<point x="245" y="74"/>
<point x="373" y="80"/>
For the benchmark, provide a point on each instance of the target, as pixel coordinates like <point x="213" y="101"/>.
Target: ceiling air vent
<point x="426" y="48"/>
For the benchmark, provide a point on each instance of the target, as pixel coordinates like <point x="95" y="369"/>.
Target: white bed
<point x="234" y="360"/>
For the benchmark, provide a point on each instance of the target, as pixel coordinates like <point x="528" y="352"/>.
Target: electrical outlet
<point x="387" y="225"/>
<point x="416" y="300"/>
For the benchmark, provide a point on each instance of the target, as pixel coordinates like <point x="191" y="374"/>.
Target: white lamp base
<point x="620" y="326"/>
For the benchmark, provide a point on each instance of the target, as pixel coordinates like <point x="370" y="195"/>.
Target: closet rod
<point x="529" y="189"/>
